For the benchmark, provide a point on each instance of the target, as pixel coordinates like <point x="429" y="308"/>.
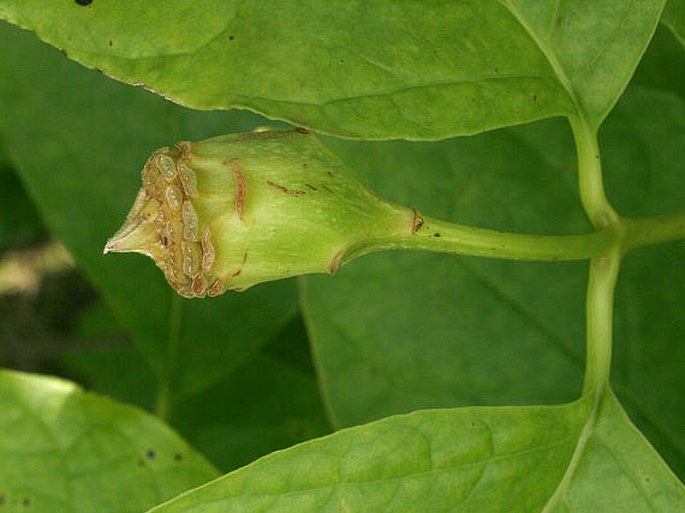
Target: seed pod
<point x="236" y="210"/>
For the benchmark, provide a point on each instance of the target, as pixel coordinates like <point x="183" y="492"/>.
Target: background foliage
<point x="391" y="333"/>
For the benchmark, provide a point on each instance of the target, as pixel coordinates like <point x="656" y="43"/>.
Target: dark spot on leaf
<point x="150" y="453"/>
<point x="231" y="37"/>
<point x="98" y="70"/>
<point x="535" y="98"/>
<point x="342" y="61"/>
<point x="84" y="2"/>
<point x="110" y="43"/>
<point x="496" y="70"/>
<point x="311" y="187"/>
<point x="329" y="173"/>
<point x="26" y="502"/>
<point x="437" y="235"/>
<point x="178" y="457"/>
<point x="305" y="165"/>
<point x="302" y="130"/>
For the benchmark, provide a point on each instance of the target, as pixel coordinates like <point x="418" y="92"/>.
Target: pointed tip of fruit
<point x="133" y="237"/>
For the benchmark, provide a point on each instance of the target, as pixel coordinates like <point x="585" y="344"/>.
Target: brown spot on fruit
<point x="336" y="262"/>
<point x="241" y="190"/>
<point x="208" y="252"/>
<point x="217" y="288"/>
<point x="284" y="189"/>
<point x="417" y="222"/>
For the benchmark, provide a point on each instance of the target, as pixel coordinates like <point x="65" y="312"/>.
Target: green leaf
<point x="615" y="469"/>
<point x="506" y="459"/>
<point x="392" y="333"/>
<point x="271" y="402"/>
<point x="395" y="332"/>
<point x="593" y="47"/>
<point x="674" y="18"/>
<point x="65" y="450"/>
<point x="19" y="222"/>
<point x="644" y="149"/>
<point x="415" y="70"/>
<point x="95" y="136"/>
<point x="663" y="65"/>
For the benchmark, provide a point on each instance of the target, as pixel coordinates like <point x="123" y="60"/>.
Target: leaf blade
<point x="383" y="71"/>
<point x="674" y="19"/>
<point x="403" y="463"/>
<point x="64" y="449"/>
<point x="486" y="459"/>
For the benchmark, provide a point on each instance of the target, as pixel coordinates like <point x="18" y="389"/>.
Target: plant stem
<point x="599" y="310"/>
<point x="443" y="237"/>
<point x="591" y="185"/>
<point x="163" y="403"/>
<point x="651" y="230"/>
<point x="603" y="269"/>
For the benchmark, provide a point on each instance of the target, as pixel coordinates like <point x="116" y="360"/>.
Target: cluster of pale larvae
<point x="164" y="225"/>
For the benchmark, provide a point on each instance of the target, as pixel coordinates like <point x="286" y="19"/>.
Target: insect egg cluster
<point x="164" y="210"/>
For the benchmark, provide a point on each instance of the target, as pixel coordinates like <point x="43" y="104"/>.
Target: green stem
<point x="443" y="237"/>
<point x="591" y="185"/>
<point x="599" y="322"/>
<point x="163" y="403"/>
<point x="603" y="269"/>
<point x="652" y="230"/>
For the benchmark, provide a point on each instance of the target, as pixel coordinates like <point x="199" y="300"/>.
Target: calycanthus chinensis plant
<point x="229" y="212"/>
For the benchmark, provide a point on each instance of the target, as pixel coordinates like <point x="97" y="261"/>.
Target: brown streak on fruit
<point x="284" y="189"/>
<point x="217" y="288"/>
<point x="417" y="222"/>
<point x="199" y="285"/>
<point x="336" y="262"/>
<point x="241" y="189"/>
<point x="208" y="252"/>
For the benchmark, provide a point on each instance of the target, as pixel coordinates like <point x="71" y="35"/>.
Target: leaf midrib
<point x="578" y="454"/>
<point x="551" y="57"/>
